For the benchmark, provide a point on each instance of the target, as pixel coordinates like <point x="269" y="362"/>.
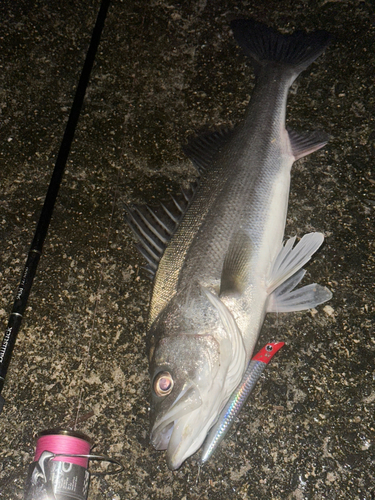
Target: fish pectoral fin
<point x="291" y="259"/>
<point x="233" y="335"/>
<point x="229" y="323"/>
<point x="236" y="265"/>
<point x="307" y="297"/>
<point x="305" y="143"/>
<point x="202" y="149"/>
<point x="287" y="273"/>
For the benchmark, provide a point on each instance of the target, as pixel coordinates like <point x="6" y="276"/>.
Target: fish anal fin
<point x="307" y="142"/>
<point x="236" y="265"/>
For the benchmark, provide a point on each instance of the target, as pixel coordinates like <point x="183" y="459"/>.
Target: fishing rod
<point x="36" y="248"/>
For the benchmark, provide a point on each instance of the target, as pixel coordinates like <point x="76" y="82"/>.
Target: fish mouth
<point x="172" y="431"/>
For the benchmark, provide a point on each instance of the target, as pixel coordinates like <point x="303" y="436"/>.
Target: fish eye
<point x="269" y="348"/>
<point x="163" y="384"/>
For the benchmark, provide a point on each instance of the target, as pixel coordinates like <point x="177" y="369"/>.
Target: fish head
<point x="184" y="376"/>
<point x="192" y="377"/>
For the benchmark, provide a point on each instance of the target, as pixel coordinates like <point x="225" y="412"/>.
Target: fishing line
<point x="97" y="301"/>
<point x="70" y="445"/>
<point x="60" y="467"/>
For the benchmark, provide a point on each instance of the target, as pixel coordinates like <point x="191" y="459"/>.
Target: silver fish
<point x="216" y="253"/>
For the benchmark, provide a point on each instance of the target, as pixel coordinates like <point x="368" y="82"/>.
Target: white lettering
<point x="5" y="343"/>
<point x="66" y="466"/>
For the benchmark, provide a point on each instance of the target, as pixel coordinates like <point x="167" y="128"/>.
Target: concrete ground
<point x="164" y="70"/>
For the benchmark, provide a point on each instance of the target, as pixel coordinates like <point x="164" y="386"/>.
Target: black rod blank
<point x="36" y="248"/>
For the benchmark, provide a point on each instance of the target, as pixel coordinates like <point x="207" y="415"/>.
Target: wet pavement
<point x="163" y="71"/>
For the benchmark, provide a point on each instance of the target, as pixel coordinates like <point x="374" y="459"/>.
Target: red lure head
<point x="269" y="350"/>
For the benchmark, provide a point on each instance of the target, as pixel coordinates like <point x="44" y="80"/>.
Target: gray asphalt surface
<point x="163" y="71"/>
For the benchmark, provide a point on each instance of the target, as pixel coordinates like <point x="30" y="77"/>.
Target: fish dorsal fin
<point x="233" y="336"/>
<point x="305" y="143"/>
<point x="290" y="260"/>
<point x="154" y="227"/>
<point x="287" y="273"/>
<point x="236" y="265"/>
<point x="202" y="149"/>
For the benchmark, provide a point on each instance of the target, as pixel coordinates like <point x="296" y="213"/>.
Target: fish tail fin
<point x="266" y="46"/>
